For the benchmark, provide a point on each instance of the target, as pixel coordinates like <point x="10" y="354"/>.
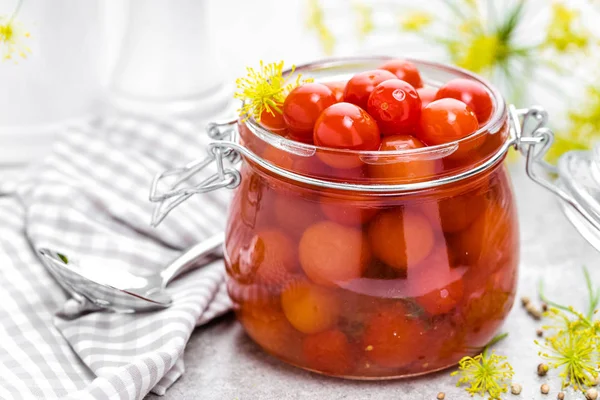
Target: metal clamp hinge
<point x="534" y="146"/>
<point x="224" y="158"/>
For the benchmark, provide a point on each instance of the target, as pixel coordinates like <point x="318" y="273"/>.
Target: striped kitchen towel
<point x="90" y="197"/>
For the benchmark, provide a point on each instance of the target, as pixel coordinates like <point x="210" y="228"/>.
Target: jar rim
<point x="493" y="124"/>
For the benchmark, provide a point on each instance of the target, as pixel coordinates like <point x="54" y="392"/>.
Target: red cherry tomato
<point x="396" y="107"/>
<point x="272" y="121"/>
<point x="312" y="166"/>
<point x="445" y="297"/>
<point x="345" y="126"/>
<point x="443" y="285"/>
<point x="446" y="343"/>
<point x="348" y="210"/>
<point x="303" y="106"/>
<point x="472" y="93"/>
<point x="359" y="88"/>
<point x="329" y="352"/>
<point x="270" y="329"/>
<point x="338" y="89"/>
<point x="301" y="139"/>
<point x="310" y="308"/>
<point x="485" y="244"/>
<point x="295" y="212"/>
<point x="484" y="313"/>
<point x="400" y="142"/>
<point x="256" y="295"/>
<point x="401" y="168"/>
<point x="393" y="339"/>
<point x="331" y="253"/>
<point x="446" y="120"/>
<point x="427" y="95"/>
<point x="458" y="211"/>
<point x="278" y="156"/>
<point x="404" y="70"/>
<point x="401" y="238"/>
<point x="270" y="257"/>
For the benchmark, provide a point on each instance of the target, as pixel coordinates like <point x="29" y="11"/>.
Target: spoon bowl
<point x="112" y="287"/>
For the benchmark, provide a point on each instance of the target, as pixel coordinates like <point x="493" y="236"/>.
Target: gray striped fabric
<point x="90" y="197"/>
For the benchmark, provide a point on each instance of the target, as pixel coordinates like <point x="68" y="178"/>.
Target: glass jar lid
<point x="579" y="177"/>
<point x="576" y="178"/>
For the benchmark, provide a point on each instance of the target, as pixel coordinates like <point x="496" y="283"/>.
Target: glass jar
<point x="368" y="264"/>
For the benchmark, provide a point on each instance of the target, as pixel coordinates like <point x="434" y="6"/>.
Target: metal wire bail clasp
<point x="220" y="152"/>
<point x="533" y="139"/>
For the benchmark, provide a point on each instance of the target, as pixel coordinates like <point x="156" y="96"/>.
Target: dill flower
<point x="573" y="342"/>
<point x="561" y="323"/>
<point x="265" y="90"/>
<point x="480" y="55"/>
<point x="575" y="353"/>
<point x="485" y="373"/>
<point x="489" y="37"/>
<point x="364" y="19"/>
<point x="583" y="125"/>
<point x="564" y="30"/>
<point x="491" y="48"/>
<point x="12" y="39"/>
<point x="482" y="36"/>
<point x="315" y="21"/>
<point x="415" y="21"/>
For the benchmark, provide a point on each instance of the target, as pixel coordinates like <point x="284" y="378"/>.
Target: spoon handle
<point x="195" y="257"/>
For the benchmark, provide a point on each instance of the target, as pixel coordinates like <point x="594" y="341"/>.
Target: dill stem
<point x="593" y="297"/>
<point x="550" y="302"/>
<point x="494" y="340"/>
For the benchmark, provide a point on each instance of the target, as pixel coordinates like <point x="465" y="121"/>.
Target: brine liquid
<point x="371" y="286"/>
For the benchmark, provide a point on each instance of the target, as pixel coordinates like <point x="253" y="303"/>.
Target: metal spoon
<point x="112" y="287"/>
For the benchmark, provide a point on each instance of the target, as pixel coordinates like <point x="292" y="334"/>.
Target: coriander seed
<point x="545" y="389"/>
<point x="441" y="396"/>
<point x="542" y="369"/>
<point x="591" y="394"/>
<point x="539" y="333"/>
<point x="561" y="396"/>
<point x="515" y="388"/>
<point x="533" y="312"/>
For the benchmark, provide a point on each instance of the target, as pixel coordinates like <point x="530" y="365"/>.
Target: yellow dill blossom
<point x="265" y="89"/>
<point x="565" y="32"/>
<point x="583" y="126"/>
<point x="566" y="319"/>
<point x="12" y="39"/>
<point x="415" y="21"/>
<point x="482" y="41"/>
<point x="315" y="21"/>
<point x="480" y="55"/>
<point x="472" y="27"/>
<point x="485" y="373"/>
<point x="364" y="19"/>
<point x="575" y="354"/>
<point x="562" y="324"/>
<point x="572" y="341"/>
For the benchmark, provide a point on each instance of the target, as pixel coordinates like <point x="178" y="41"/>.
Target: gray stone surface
<point x="222" y="363"/>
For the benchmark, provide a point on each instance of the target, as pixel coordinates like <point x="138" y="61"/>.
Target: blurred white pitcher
<point x="166" y="65"/>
